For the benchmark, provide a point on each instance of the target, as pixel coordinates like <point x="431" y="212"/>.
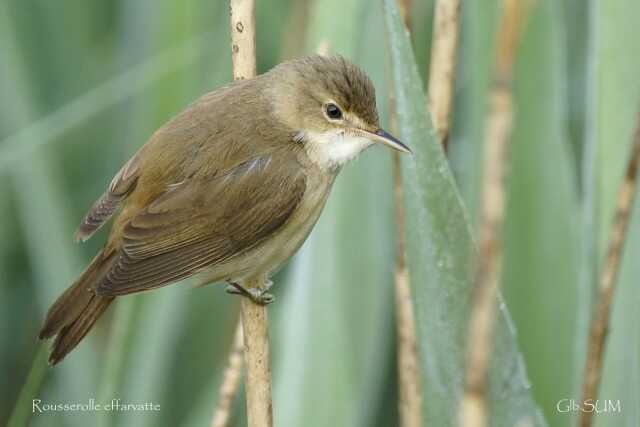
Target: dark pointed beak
<point x="386" y="138"/>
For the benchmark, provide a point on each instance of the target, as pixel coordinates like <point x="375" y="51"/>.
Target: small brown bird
<point x="230" y="188"/>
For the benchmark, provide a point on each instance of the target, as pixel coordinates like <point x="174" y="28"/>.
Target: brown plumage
<point x="229" y="188"/>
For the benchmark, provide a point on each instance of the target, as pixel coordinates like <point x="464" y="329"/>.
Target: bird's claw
<point x="257" y="295"/>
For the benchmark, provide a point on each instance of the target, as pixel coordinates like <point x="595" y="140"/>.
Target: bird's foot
<point x="257" y="295"/>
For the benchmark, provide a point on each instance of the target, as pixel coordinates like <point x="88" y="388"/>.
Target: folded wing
<point x="202" y="222"/>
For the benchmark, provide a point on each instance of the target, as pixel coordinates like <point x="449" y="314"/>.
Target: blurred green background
<point x="84" y="83"/>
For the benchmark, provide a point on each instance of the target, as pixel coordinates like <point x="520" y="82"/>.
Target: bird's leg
<point x="257" y="295"/>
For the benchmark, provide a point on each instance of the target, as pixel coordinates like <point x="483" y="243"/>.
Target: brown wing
<point x="122" y="184"/>
<point x="201" y="222"/>
<point x="200" y="128"/>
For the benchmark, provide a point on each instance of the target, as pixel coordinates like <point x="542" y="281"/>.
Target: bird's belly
<point x="265" y="259"/>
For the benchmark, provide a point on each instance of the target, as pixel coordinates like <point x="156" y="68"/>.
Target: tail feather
<point x="75" y="312"/>
<point x="71" y="335"/>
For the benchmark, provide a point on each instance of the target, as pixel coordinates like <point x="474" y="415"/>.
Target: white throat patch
<point x="331" y="150"/>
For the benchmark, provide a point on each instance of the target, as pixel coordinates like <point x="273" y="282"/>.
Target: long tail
<point x="76" y="310"/>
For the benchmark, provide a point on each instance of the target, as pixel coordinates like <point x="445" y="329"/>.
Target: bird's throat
<point x="333" y="149"/>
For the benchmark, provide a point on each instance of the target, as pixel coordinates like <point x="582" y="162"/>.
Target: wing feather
<point x="121" y="186"/>
<point x="196" y="225"/>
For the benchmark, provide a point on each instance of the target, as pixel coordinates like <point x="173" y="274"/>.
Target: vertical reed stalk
<point x="608" y="276"/>
<point x="473" y="407"/>
<point x="444" y="50"/>
<point x="254" y="316"/>
<point x="230" y="381"/>
<point x="258" y="363"/>
<point x="404" y="6"/>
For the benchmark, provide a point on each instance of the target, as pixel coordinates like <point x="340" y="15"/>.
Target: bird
<point x="229" y="188"/>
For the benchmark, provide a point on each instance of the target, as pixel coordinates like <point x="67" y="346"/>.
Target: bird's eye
<point x="333" y="112"/>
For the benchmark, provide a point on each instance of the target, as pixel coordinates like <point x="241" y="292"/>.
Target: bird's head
<point x="330" y="103"/>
